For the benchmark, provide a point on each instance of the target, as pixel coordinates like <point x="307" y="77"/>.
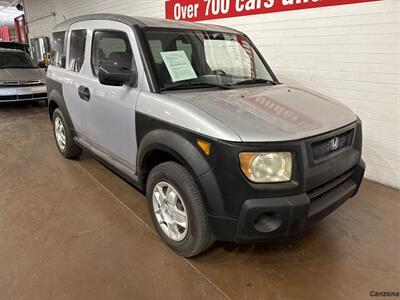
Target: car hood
<point x="22" y="74"/>
<point x="272" y="113"/>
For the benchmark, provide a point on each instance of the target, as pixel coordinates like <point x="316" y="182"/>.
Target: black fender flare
<point x="176" y="145"/>
<point x="186" y="152"/>
<point x="55" y="93"/>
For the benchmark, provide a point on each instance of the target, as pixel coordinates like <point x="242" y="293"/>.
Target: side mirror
<point x="110" y="75"/>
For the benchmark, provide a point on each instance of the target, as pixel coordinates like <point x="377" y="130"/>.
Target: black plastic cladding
<point x="55" y="93"/>
<point x="146" y="124"/>
<point x="226" y="188"/>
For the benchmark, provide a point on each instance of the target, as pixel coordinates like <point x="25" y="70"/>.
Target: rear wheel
<point x="64" y="140"/>
<point x="177" y="210"/>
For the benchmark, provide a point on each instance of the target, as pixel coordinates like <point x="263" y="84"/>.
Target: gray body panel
<point x="107" y="120"/>
<point x="181" y="113"/>
<point x="265" y="113"/>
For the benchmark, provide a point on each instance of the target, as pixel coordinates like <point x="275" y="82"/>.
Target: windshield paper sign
<point x="229" y="56"/>
<point x="178" y="65"/>
<point x="197" y="10"/>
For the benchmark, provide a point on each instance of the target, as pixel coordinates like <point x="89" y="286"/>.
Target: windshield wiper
<point x="195" y="86"/>
<point x="254" y="81"/>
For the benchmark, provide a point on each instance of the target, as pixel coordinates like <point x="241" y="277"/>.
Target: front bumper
<point x="288" y="216"/>
<point x="23" y="93"/>
<point x="239" y="210"/>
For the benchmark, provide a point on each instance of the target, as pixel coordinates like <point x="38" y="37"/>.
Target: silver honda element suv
<point x="192" y="115"/>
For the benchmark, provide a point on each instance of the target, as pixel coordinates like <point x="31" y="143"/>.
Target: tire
<point x="197" y="237"/>
<point x="69" y="149"/>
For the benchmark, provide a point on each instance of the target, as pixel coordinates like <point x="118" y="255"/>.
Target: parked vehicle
<point x="193" y="115"/>
<point x="21" y="79"/>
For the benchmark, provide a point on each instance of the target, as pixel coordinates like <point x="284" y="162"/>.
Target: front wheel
<point x="177" y="210"/>
<point x="64" y="140"/>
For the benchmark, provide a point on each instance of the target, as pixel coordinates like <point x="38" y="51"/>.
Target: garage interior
<point x="76" y="230"/>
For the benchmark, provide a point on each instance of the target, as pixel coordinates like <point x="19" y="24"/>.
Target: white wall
<point x="350" y="52"/>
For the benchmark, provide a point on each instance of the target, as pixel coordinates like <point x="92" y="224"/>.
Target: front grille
<point x="333" y="144"/>
<point x="21" y="83"/>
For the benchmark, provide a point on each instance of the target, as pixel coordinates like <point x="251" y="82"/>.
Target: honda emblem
<point x="334" y="144"/>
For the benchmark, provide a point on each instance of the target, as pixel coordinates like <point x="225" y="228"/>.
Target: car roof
<point x="145" y="22"/>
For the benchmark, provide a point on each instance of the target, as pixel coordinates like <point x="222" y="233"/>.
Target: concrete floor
<point x="74" y="230"/>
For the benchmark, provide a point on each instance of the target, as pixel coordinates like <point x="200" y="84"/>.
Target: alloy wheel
<point x="60" y="133"/>
<point x="170" y="211"/>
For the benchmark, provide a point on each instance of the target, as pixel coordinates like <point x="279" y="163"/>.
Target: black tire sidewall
<point x="190" y="242"/>
<point x="58" y="114"/>
<point x="70" y="150"/>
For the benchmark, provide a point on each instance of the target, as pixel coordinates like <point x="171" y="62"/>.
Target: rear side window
<point x="57" y="57"/>
<point x="111" y="48"/>
<point x="77" y="50"/>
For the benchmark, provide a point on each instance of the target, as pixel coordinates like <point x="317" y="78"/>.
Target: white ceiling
<point x="8" y="12"/>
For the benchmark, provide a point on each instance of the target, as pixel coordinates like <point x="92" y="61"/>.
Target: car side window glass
<point x="111" y="48"/>
<point x="77" y="50"/>
<point x="57" y="56"/>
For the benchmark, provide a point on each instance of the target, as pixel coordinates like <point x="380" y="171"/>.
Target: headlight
<point x="267" y="166"/>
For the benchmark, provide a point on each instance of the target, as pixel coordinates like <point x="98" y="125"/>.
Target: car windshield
<point x="16" y="60"/>
<point x="187" y="59"/>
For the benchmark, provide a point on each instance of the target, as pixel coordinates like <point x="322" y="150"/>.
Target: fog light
<point x="268" y="222"/>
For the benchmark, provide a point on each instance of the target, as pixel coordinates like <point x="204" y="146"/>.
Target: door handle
<point x="84" y="93"/>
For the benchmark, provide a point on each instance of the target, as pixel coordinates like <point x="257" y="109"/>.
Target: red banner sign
<point x="4" y="34"/>
<point x="197" y="10"/>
